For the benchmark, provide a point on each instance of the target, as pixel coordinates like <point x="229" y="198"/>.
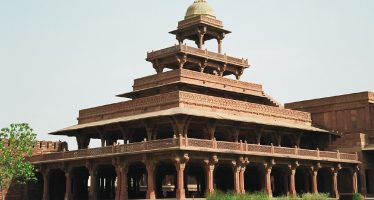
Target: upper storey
<point x="199" y="25"/>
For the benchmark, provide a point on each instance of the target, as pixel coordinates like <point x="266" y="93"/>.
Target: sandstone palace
<point x="189" y="130"/>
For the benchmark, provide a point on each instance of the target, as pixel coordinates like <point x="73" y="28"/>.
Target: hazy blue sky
<point x="57" y="57"/>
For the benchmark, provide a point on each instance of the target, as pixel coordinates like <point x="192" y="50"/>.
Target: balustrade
<point x="194" y="144"/>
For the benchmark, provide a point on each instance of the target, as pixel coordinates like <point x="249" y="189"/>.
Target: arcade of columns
<point x="111" y="180"/>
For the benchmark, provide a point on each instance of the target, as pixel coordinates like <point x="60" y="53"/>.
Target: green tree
<point x="16" y="143"/>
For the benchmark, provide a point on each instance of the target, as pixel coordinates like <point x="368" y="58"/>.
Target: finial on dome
<point x="200" y="7"/>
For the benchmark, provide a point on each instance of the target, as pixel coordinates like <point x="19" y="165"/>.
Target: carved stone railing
<point x="201" y="19"/>
<point x="206" y="102"/>
<point x="197" y="78"/>
<point x="183" y="143"/>
<point x="181" y="48"/>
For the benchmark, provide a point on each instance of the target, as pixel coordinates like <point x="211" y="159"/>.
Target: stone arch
<point x="254" y="178"/>
<point x="107" y="182"/>
<point x="324" y="180"/>
<point x="79" y="183"/>
<point x="57" y="184"/>
<point x="345" y="181"/>
<point x="35" y="188"/>
<point x="279" y="179"/>
<point x="303" y="180"/>
<point x="166" y="180"/>
<point x="137" y="180"/>
<point x="224" y="178"/>
<point x="195" y="181"/>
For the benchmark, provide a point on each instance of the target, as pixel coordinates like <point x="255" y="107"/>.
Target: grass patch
<point x="264" y="196"/>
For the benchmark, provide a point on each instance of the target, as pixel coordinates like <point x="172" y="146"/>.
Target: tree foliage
<point x="16" y="143"/>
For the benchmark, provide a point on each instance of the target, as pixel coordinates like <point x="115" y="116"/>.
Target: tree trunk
<point x="2" y="193"/>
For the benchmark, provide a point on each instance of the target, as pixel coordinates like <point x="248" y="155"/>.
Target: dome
<point x="200" y="7"/>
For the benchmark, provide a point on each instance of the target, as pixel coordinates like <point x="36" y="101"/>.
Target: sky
<point x="57" y="57"/>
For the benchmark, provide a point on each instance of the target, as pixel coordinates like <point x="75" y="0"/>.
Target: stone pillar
<point x="180" y="165"/>
<point x="68" y="186"/>
<point x="150" y="180"/>
<point x="354" y="181"/>
<point x="235" y="134"/>
<point x="314" y="175"/>
<point x="200" y="34"/>
<point x="242" y="179"/>
<point x="102" y="142"/>
<point x="236" y="172"/>
<point x="292" y="190"/>
<point x="46" y="185"/>
<point x="209" y="169"/>
<point x="123" y="192"/>
<point x="335" y="191"/>
<point x="93" y="183"/>
<point x="219" y="41"/>
<point x="268" y="167"/>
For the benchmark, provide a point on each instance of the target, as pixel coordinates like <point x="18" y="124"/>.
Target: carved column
<point x="219" y="41"/>
<point x="314" y="172"/>
<point x="180" y="125"/>
<point x="268" y="167"/>
<point x="209" y="168"/>
<point x="180" y="165"/>
<point x="210" y="129"/>
<point x="181" y="59"/>
<point x="335" y="191"/>
<point x="201" y="32"/>
<point x="68" y="185"/>
<point x="242" y="179"/>
<point x="150" y="165"/>
<point x="354" y="180"/>
<point x="293" y="168"/>
<point x="203" y="65"/>
<point x="236" y="172"/>
<point x="258" y="133"/>
<point x="121" y="190"/>
<point x="243" y="162"/>
<point x="83" y="141"/>
<point x="46" y="185"/>
<point x="158" y="66"/>
<point x="93" y="184"/>
<point x="235" y="134"/>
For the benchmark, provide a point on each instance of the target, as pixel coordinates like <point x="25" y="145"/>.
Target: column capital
<point x="181" y="161"/>
<point x="43" y="169"/>
<point x="269" y="164"/>
<point x="91" y="166"/>
<point x="316" y="167"/>
<point x="336" y="168"/>
<point x="293" y="165"/>
<point x="213" y="160"/>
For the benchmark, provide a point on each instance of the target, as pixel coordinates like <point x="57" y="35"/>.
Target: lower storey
<point x="181" y="175"/>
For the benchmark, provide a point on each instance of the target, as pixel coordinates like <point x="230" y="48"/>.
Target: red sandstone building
<point x="189" y="131"/>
